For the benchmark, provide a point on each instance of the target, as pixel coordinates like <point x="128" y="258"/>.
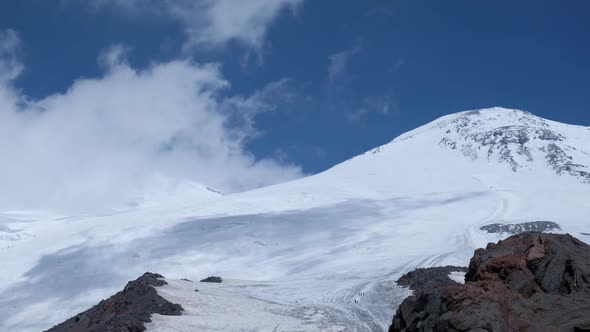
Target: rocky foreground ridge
<point x="126" y="311"/>
<point x="528" y="282"/>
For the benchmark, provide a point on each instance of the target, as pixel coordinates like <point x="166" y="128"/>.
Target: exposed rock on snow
<point x="533" y="226"/>
<point x="528" y="282"/>
<point x="424" y="279"/>
<point x="513" y="137"/>
<point x="212" y="279"/>
<point x="126" y="311"/>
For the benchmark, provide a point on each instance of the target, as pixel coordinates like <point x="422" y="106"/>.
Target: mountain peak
<point x="496" y="117"/>
<point x="517" y="138"/>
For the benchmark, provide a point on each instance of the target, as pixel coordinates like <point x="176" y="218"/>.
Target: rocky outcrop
<point x="214" y="279"/>
<point x="528" y="282"/>
<point x="515" y="138"/>
<point x="424" y="279"/>
<point x="126" y="311"/>
<point x="532" y="226"/>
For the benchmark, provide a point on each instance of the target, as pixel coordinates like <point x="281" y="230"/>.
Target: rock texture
<point x="528" y="282"/>
<point x="421" y="280"/>
<point x="214" y="279"/>
<point x="515" y="138"/>
<point x="126" y="311"/>
<point x="533" y="226"/>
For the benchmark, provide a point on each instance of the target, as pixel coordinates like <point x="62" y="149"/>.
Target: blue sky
<point x="347" y="75"/>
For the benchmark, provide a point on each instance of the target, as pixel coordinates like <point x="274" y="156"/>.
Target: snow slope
<point x="320" y="253"/>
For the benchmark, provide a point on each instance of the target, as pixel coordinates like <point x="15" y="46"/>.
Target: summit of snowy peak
<point x="516" y="139"/>
<point x="477" y="120"/>
<point x="492" y="118"/>
<point x="519" y="139"/>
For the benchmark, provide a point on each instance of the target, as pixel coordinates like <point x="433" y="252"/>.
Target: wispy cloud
<point x="379" y="11"/>
<point x="380" y="105"/>
<point x="338" y="62"/>
<point x="397" y="65"/>
<point x="212" y="23"/>
<point x="114" y="56"/>
<point x="355" y="117"/>
<point x="244" y="109"/>
<point x="10" y="65"/>
<point x="105" y="140"/>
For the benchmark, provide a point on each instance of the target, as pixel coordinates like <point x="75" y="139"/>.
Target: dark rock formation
<point x="421" y="280"/>
<point x="528" y="282"/>
<point x="533" y="226"/>
<point x="126" y="311"/>
<point x="212" y="279"/>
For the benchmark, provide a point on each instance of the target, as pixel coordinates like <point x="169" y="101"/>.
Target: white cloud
<point x="338" y="62"/>
<point x="114" y="56"/>
<point x="212" y="22"/>
<point x="10" y="66"/>
<point x="105" y="140"/>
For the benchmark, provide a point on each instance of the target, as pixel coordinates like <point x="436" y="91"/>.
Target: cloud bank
<point x="109" y="140"/>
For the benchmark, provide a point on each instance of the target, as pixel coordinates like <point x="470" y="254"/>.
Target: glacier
<point x="320" y="253"/>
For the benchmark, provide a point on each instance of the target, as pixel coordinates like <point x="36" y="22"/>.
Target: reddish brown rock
<point x="528" y="282"/>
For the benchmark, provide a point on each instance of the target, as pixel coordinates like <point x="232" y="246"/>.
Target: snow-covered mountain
<point x="520" y="140"/>
<point x="162" y="190"/>
<point x="319" y="253"/>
